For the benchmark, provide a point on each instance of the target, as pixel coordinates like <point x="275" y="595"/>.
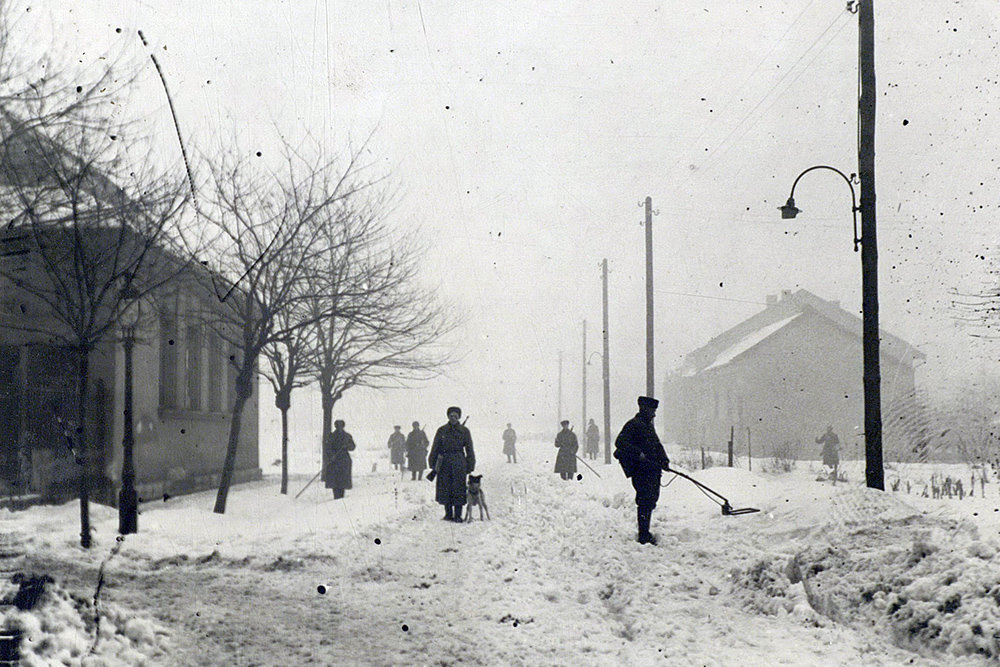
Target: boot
<point x="645" y="537"/>
<point x="448" y="516"/>
<point x="458" y="514"/>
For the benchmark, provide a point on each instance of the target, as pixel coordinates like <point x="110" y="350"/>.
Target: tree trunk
<point x="327" y="402"/>
<point x="81" y="445"/>
<point x="243" y="391"/>
<point x="284" y="450"/>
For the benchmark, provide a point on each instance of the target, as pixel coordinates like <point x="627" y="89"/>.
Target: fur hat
<point x="454" y="409"/>
<point x="648" y="402"/>
<point x="564" y="422"/>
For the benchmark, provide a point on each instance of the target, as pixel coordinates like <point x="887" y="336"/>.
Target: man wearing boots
<point x="452" y="458"/>
<point x="643" y="459"/>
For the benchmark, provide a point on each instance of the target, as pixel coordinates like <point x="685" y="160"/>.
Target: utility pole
<point x="874" y="473"/>
<point x="606" y="368"/>
<point x="559" y="411"/>
<point x="583" y="422"/>
<point x="649" y="297"/>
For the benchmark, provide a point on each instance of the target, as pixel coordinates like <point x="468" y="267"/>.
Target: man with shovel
<point x="643" y="460"/>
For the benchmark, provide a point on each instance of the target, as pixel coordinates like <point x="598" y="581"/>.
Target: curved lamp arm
<point x="789" y="210"/>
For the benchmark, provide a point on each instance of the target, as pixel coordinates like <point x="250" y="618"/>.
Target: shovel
<point x="727" y="509"/>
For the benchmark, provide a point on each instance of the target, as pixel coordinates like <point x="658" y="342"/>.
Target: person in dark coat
<point x="568" y="446"/>
<point x="643" y="459"/>
<point x="452" y="458"/>
<point x="830" y="451"/>
<point x="397" y="448"/>
<point x="509" y="438"/>
<point x="416" y="451"/>
<point x="336" y="446"/>
<point x="593" y="440"/>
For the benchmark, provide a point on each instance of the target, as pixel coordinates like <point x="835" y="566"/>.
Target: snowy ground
<point x="824" y="575"/>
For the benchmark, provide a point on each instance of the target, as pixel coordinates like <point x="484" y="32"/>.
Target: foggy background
<point x="521" y="140"/>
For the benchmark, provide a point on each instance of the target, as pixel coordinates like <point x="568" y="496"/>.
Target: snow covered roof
<point x="744" y="344"/>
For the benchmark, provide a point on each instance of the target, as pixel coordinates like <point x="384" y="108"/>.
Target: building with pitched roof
<point x="782" y="376"/>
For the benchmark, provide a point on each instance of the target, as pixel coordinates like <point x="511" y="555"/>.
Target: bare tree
<point x="383" y="329"/>
<point x="90" y="233"/>
<point x="268" y="232"/>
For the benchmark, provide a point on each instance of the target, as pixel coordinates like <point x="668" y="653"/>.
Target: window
<point x="216" y="370"/>
<point x="168" y="360"/>
<point x="194" y="367"/>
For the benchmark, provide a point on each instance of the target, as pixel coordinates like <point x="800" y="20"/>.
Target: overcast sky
<point x="524" y="135"/>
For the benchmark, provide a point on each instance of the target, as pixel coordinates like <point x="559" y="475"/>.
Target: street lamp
<point x="869" y="332"/>
<point x="128" y="499"/>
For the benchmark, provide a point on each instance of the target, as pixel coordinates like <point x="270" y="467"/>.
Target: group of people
<point x="409" y="452"/>
<point x="452" y="458"/>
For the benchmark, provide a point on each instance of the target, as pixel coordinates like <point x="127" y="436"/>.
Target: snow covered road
<point x="554" y="578"/>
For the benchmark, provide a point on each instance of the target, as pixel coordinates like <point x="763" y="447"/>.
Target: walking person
<point x="397" y="449"/>
<point x="336" y="445"/>
<point x="568" y="446"/>
<point x="643" y="460"/>
<point x="452" y="458"/>
<point x="509" y="438"/>
<point x="830" y="451"/>
<point x="593" y="445"/>
<point x="416" y="452"/>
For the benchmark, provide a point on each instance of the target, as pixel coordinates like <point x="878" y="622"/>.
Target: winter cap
<point x="456" y="410"/>
<point x="339" y="422"/>
<point x="397" y="427"/>
<point x="416" y="424"/>
<point x="564" y="422"/>
<point x="648" y="402"/>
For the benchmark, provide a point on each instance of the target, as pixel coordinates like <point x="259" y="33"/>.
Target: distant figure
<point x="643" y="459"/>
<point x="509" y="438"/>
<point x="452" y="458"/>
<point x="397" y="449"/>
<point x="831" y="450"/>
<point x="416" y="452"/>
<point x="337" y="475"/>
<point x="568" y="445"/>
<point x="593" y="445"/>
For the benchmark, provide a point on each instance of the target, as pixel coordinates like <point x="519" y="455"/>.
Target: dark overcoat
<point x="831" y="443"/>
<point x="416" y="450"/>
<point x="397" y="448"/>
<point x="453" y="458"/>
<point x="639" y="436"/>
<point x="566" y="458"/>
<point x="338" y="468"/>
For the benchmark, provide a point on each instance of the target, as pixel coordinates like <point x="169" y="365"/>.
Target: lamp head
<point x="789" y="210"/>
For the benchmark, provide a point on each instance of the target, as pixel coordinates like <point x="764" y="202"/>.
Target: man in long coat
<point x="452" y="458"/>
<point x="830" y="451"/>
<point x="509" y="438"/>
<point x="593" y="440"/>
<point x="643" y="459"/>
<point x="568" y="445"/>
<point x="416" y="451"/>
<point x="336" y="446"/>
<point x="397" y="449"/>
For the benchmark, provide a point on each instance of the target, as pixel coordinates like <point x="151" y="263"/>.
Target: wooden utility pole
<point x="649" y="297"/>
<point x="874" y="473"/>
<point x="606" y="368"/>
<point x="559" y="409"/>
<point x="583" y="422"/>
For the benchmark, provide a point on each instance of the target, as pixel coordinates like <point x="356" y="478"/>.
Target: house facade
<point x="780" y="378"/>
<point x="183" y="393"/>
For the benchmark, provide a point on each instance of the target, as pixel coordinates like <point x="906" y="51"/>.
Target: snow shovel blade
<point x="729" y="511"/>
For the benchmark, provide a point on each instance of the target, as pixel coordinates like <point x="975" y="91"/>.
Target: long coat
<point x="831" y="453"/>
<point x="509" y="438"/>
<point x="638" y="436"/>
<point x="416" y="450"/>
<point x="593" y="439"/>
<point x="338" y="468"/>
<point x="568" y="446"/>
<point x="397" y="448"/>
<point x="453" y="458"/>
